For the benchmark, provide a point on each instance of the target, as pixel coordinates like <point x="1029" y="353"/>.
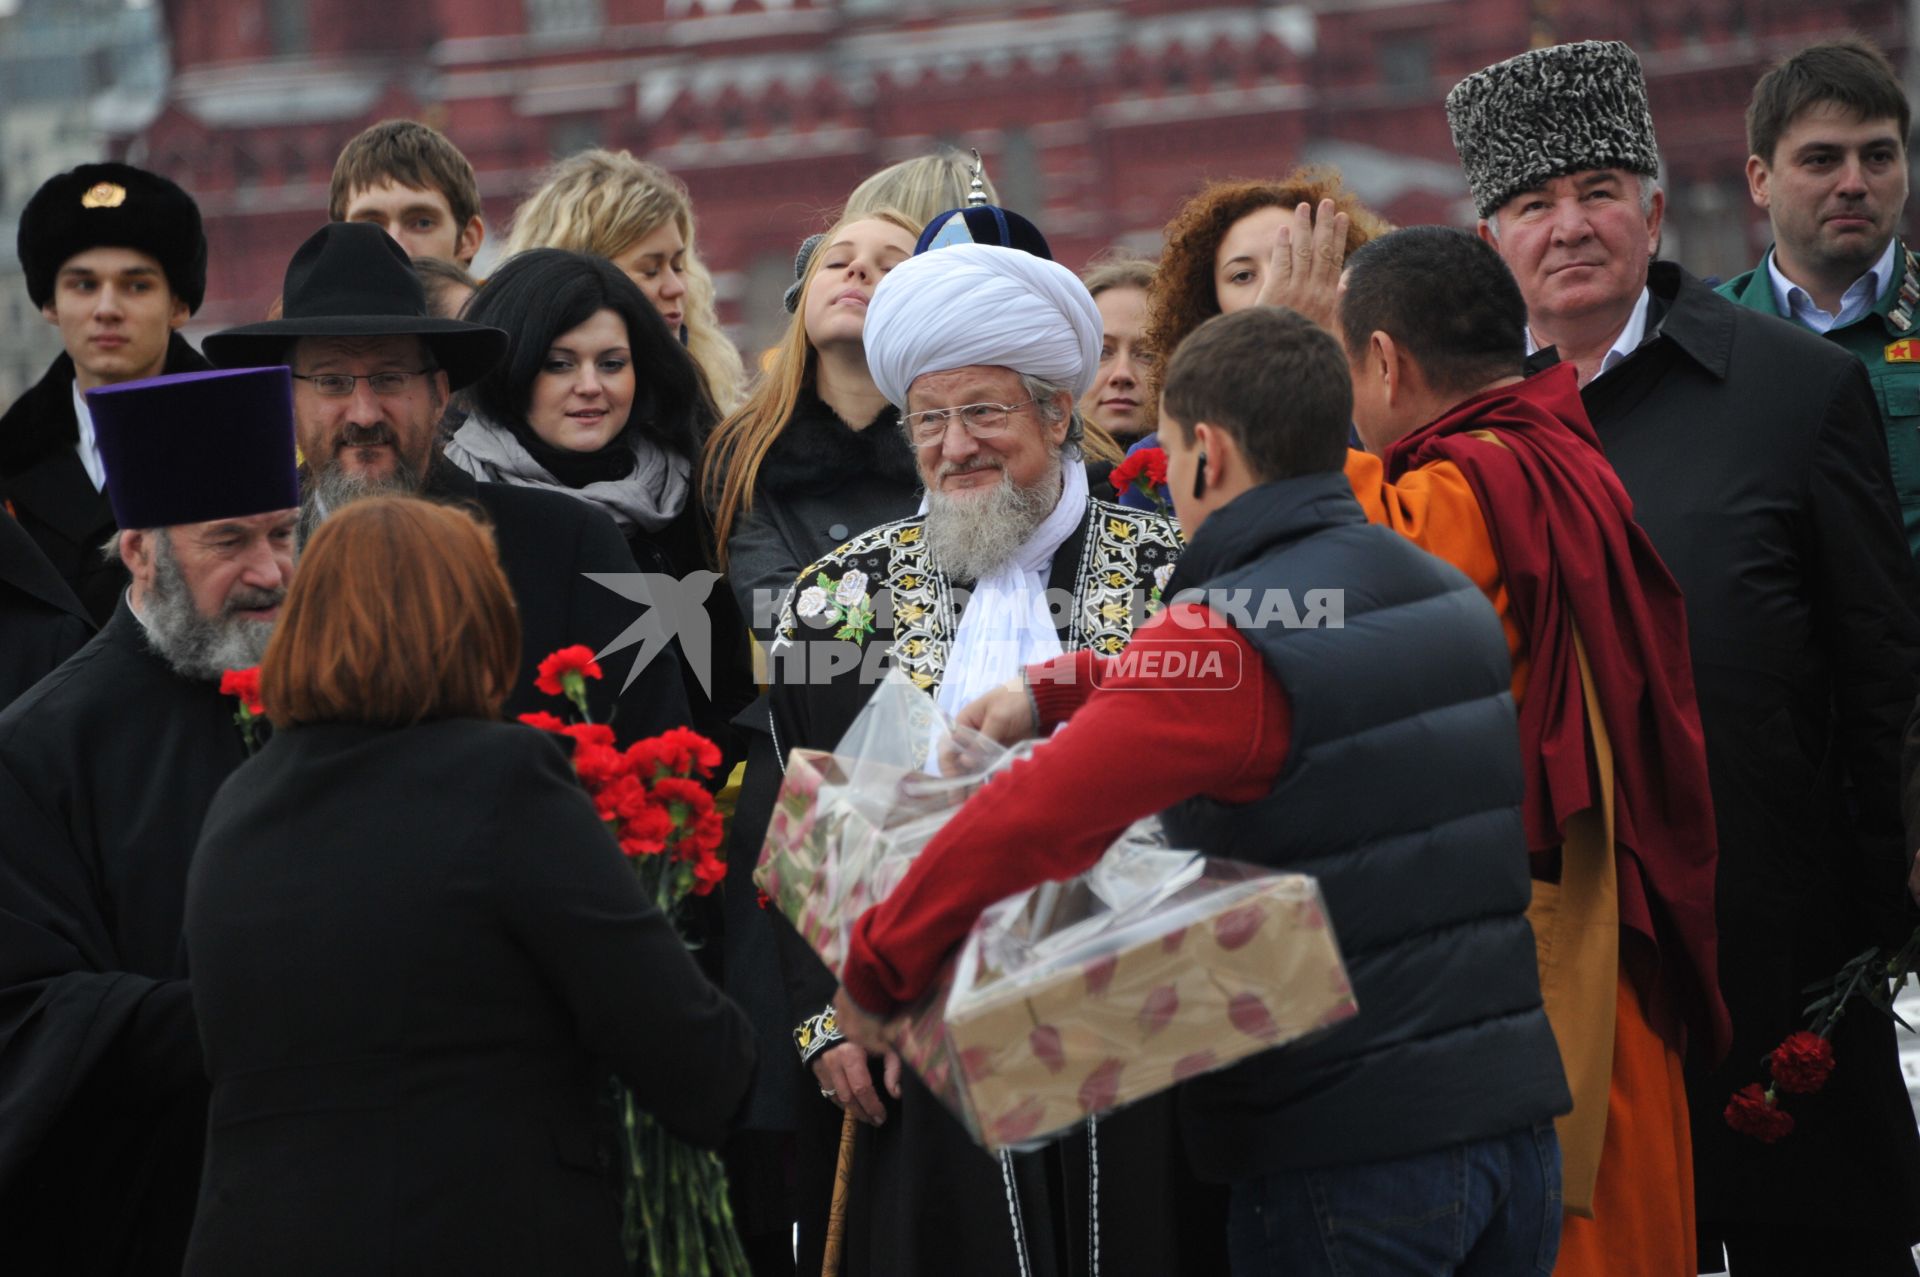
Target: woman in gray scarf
<point x="598" y="400"/>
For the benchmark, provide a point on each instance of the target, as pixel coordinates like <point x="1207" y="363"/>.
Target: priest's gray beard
<point x="197" y="646"/>
<point x="325" y="493"/>
<point x="970" y="536"/>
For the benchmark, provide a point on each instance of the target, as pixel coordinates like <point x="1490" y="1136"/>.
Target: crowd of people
<point x="1592" y="739"/>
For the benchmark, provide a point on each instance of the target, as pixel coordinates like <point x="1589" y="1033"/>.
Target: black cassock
<point x="42" y="622"/>
<point x="925" y="1199"/>
<point x="107" y="768"/>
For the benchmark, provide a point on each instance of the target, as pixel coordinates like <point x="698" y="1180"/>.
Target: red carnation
<point x="1801" y="1064"/>
<point x="576" y="661"/>
<point x="645" y="833"/>
<point x="690" y="793"/>
<point x="544" y="721"/>
<point x="679" y="751"/>
<point x="1145" y="468"/>
<point x="708" y="873"/>
<point x="598" y="765"/>
<point x="1753" y="1111"/>
<point x="244" y="684"/>
<point x="588" y="735"/>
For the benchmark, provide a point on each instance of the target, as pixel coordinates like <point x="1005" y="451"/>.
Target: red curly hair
<point x="1182" y="297"/>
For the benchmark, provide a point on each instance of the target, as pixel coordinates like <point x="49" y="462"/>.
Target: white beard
<point x="971" y="536"/>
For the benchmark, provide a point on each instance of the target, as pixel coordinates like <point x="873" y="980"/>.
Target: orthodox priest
<point x="106" y="769"/>
<point x="985" y="350"/>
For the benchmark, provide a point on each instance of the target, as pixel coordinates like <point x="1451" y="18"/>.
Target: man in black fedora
<point x="372" y="374"/>
<point x="115" y="259"/>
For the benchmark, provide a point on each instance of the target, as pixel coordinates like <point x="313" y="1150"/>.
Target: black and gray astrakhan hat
<point x="1548" y="113"/>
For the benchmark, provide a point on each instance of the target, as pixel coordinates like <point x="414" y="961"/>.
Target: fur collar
<point x="817" y="452"/>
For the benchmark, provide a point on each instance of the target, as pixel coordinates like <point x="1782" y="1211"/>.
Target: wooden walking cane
<point x="837" y="1212"/>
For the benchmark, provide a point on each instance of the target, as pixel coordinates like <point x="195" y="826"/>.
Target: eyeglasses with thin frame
<point x="338" y="385"/>
<point x="980" y="420"/>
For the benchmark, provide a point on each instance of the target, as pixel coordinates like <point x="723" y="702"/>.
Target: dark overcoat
<point x="42" y="622"/>
<point x="548" y="543"/>
<point x="1754" y="456"/>
<point x="417" y="954"/>
<point x="43" y="483"/>
<point x="107" y="768"/>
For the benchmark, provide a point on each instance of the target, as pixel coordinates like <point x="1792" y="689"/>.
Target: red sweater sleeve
<point x="1187" y="708"/>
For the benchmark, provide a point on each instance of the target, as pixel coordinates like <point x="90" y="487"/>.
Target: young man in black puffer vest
<point x="1362" y="731"/>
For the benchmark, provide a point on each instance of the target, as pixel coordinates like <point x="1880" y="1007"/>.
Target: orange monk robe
<point x="1641" y="1222"/>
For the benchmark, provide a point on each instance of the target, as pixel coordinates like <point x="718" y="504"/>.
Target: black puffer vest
<point x="1401" y="795"/>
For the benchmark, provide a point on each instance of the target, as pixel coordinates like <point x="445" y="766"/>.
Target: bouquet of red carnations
<point x="676" y="1218"/>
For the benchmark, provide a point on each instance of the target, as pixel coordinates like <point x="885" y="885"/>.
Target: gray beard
<point x="334" y="488"/>
<point x="972" y="537"/>
<point x="196" y="646"/>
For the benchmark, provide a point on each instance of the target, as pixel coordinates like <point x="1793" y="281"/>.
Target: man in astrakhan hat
<point x="372" y="372"/>
<point x="1753" y="453"/>
<point x="107" y="768"/>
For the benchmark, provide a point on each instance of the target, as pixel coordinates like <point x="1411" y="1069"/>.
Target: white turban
<point x="972" y="304"/>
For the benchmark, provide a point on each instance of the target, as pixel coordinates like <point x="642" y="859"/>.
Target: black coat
<point x="43" y="483"/>
<point x="107" y="768"/>
<point x="417" y="955"/>
<point x="1754" y="456"/>
<point x="41" y="622"/>
<point x="548" y="543"/>
<point x="820" y="484"/>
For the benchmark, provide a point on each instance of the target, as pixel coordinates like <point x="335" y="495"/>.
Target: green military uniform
<point x="1887" y="340"/>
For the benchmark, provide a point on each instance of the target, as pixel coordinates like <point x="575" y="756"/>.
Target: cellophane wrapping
<point x="1069" y="999"/>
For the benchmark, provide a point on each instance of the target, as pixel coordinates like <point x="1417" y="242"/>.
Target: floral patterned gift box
<point x="1076" y="998"/>
<point x="1072" y="998"/>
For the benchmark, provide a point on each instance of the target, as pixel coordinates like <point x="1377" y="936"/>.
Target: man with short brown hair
<point x="1828" y="133"/>
<point x="406" y="178"/>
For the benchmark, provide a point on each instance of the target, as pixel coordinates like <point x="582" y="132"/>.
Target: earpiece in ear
<point x="1200" y="476"/>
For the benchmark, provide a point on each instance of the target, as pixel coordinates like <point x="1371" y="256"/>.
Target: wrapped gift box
<point x="1072" y="998"/>
<point x="1063" y="1005"/>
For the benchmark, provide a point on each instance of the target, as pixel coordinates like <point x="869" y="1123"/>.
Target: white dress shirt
<point x="1797" y="304"/>
<point x="1630" y="337"/>
<point x="88" y="447"/>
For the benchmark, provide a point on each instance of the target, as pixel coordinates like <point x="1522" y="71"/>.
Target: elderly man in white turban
<point x="985" y="350"/>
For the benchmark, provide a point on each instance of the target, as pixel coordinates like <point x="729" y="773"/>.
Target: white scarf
<point x="1006" y="625"/>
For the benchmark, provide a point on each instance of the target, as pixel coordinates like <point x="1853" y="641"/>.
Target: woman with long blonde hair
<point x="816" y="454"/>
<point x="638" y="216"/>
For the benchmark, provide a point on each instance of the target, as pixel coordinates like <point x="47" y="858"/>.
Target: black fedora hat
<point x="351" y="280"/>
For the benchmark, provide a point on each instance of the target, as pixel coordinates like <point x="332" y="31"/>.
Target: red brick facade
<point x="1095" y="119"/>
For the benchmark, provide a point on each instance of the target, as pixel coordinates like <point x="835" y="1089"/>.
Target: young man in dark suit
<point x="116" y="260"/>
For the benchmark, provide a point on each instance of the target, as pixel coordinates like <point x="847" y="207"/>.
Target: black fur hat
<point x="1548" y="113"/>
<point x="113" y="206"/>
